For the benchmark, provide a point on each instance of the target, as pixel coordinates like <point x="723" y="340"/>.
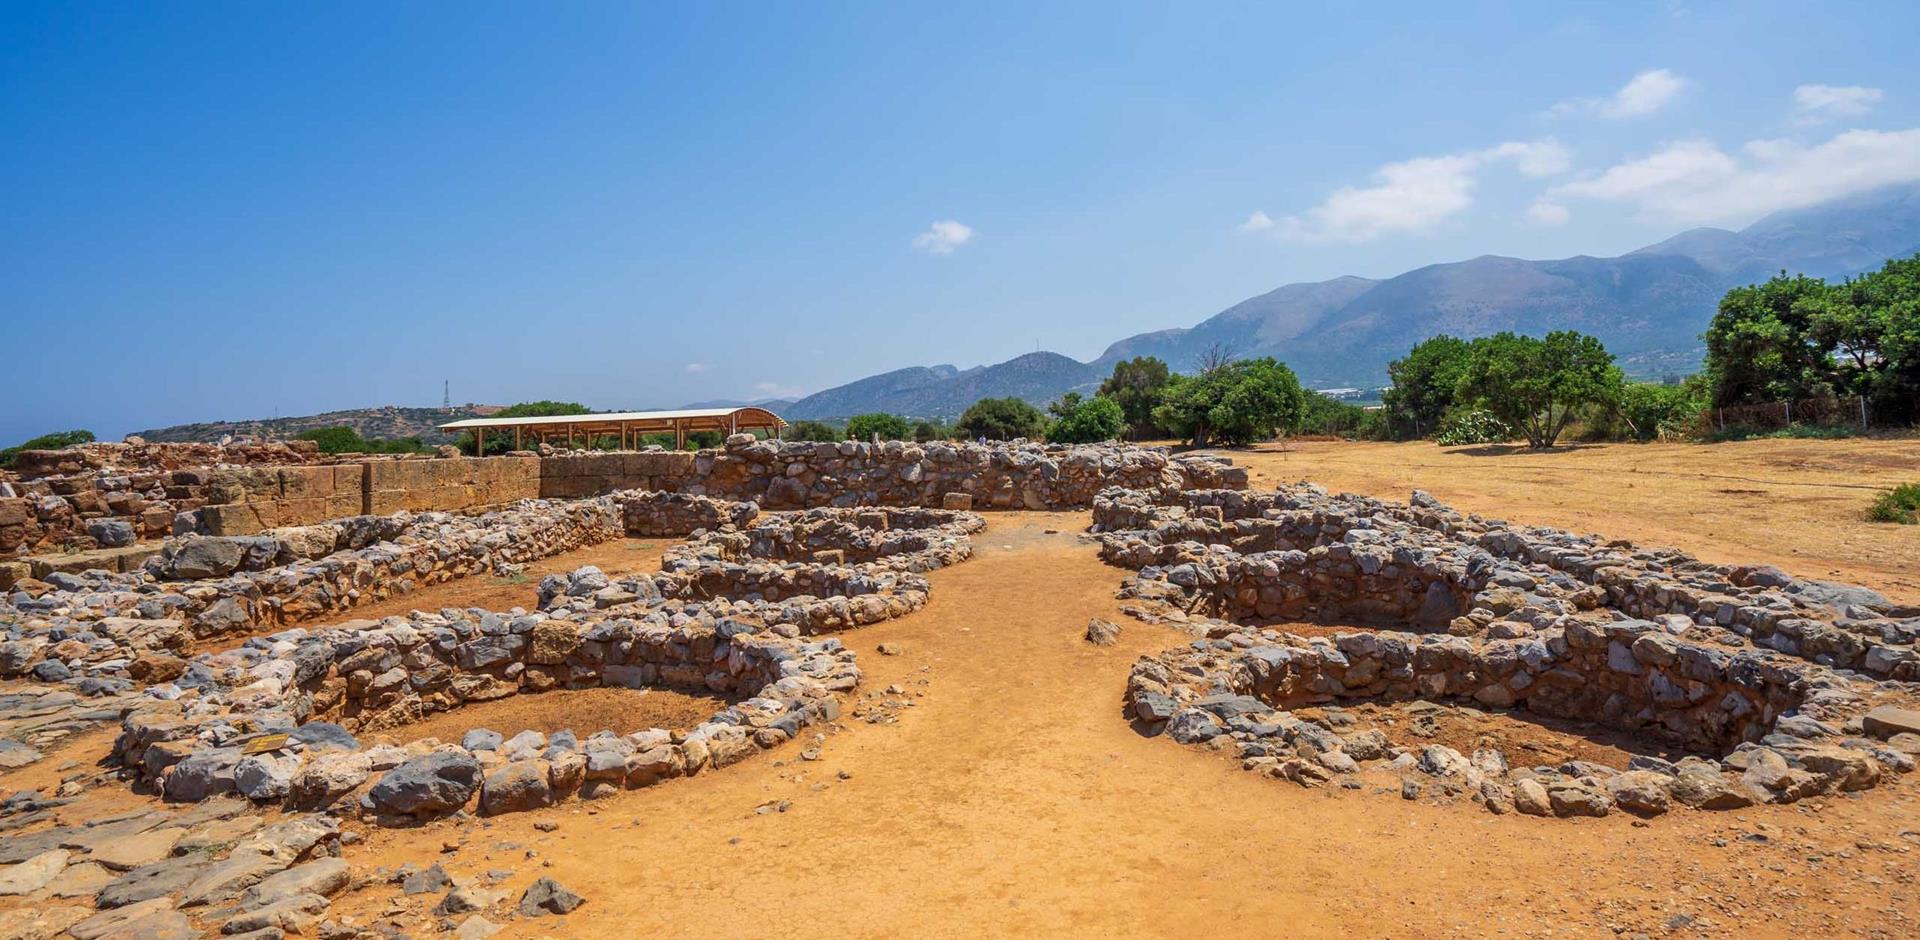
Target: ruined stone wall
<point x="288" y="694"/>
<point x="252" y="498"/>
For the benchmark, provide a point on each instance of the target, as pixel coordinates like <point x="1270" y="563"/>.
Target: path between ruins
<point x="1013" y="798"/>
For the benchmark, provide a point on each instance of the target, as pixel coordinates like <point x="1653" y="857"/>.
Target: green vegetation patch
<point x="1898" y="505"/>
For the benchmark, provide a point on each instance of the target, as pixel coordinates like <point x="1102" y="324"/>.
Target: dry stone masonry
<point x="1764" y="679"/>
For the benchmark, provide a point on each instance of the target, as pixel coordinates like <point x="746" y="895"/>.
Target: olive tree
<point x="1538" y="385"/>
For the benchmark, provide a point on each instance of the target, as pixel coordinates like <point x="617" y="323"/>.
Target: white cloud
<point x="1415" y="195"/>
<point x="1257" y="222"/>
<point x="1546" y="157"/>
<point x="1546" y="213"/>
<point x="1695" y="182"/>
<point x="697" y="367"/>
<point x="942" y="237"/>
<point x="1813" y="104"/>
<point x="1643" y="94"/>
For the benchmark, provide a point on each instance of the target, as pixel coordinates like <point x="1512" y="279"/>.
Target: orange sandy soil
<point x="1011" y="798"/>
<point x="616" y="558"/>
<point x="1796" y="504"/>
<point x="1007" y="795"/>
<point x="584" y="711"/>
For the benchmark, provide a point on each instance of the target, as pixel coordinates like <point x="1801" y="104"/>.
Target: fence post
<point x="1863" y="413"/>
<point x="1789" y="412"/>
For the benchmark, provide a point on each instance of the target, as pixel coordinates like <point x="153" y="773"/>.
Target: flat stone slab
<point x="82" y="880"/>
<point x="129" y="852"/>
<point x="148" y="882"/>
<point x="34" y="873"/>
<point x="1887" y="721"/>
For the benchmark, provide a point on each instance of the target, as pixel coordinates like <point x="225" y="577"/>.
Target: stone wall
<point x="280" y="728"/>
<point x="215" y="499"/>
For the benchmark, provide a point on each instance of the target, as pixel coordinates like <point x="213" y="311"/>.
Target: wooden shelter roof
<point x="698" y="419"/>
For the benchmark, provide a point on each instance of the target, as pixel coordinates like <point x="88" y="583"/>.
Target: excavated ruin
<point x="1767" y="682"/>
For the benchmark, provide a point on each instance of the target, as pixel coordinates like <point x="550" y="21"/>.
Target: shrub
<point x="1236" y="403"/>
<point x="1473" y="426"/>
<point x="1538" y="385"/>
<point x="1085" y="420"/>
<point x="1899" y="505"/>
<point x="1326" y="416"/>
<point x="1803" y="432"/>
<point x="931" y="431"/>
<point x="812" y="431"/>
<point x="54" y="441"/>
<point x="889" y="427"/>
<point x="1138" y="386"/>
<point x="1001" y="419"/>
<point x="345" y="440"/>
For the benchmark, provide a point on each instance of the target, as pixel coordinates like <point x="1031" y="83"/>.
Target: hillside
<point x="1649" y="306"/>
<point x="372" y="423"/>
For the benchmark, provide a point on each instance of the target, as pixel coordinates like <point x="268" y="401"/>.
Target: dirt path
<point x="1012" y="799"/>
<point x="1797" y="504"/>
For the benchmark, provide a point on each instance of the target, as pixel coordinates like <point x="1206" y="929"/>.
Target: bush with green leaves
<point x="54" y="441"/>
<point x="1000" y="419"/>
<point x="1330" y="417"/>
<point x="1899" y="505"/>
<point x="926" y="431"/>
<point x="345" y="440"/>
<point x="1472" y="426"/>
<point x="812" y="431"/>
<point x="1538" y="385"/>
<point x="1234" y="404"/>
<point x="888" y="427"/>
<point x="1138" y="386"/>
<point x="1797" y="337"/>
<point x="1661" y="412"/>
<point x="1426" y="383"/>
<point x="1078" y="420"/>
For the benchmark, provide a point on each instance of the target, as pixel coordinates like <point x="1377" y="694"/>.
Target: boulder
<point x="548" y="896"/>
<point x="516" y="787"/>
<point x="433" y="783"/>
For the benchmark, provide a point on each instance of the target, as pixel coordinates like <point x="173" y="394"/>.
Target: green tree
<point x="1869" y="329"/>
<point x="1085" y="420"/>
<point x="1001" y="419"/>
<point x="54" y="441"/>
<point x="812" y="431"/>
<point x="926" y="431"/>
<point x="1327" y="416"/>
<point x="1656" y="411"/>
<point x="1424" y="382"/>
<point x="1538" y="385"/>
<point x="1137" y="385"/>
<point x="335" y="440"/>
<point x="1234" y="403"/>
<point x="889" y="427"/>
<point x="1761" y="345"/>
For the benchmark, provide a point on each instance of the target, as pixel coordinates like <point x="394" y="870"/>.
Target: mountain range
<point x="1649" y="306"/>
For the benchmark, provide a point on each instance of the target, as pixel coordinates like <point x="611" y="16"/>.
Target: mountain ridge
<point x="1649" y="306"/>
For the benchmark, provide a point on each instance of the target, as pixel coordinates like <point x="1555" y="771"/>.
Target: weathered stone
<point x="547" y="896"/>
<point x="435" y="783"/>
<point x="516" y="787"/>
<point x="34" y="873"/>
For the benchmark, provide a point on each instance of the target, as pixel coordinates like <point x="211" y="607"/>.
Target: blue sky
<point x="214" y="211"/>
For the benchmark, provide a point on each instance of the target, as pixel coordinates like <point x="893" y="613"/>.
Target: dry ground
<point x="1011" y="798"/>
<point x="1796" y="504"/>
